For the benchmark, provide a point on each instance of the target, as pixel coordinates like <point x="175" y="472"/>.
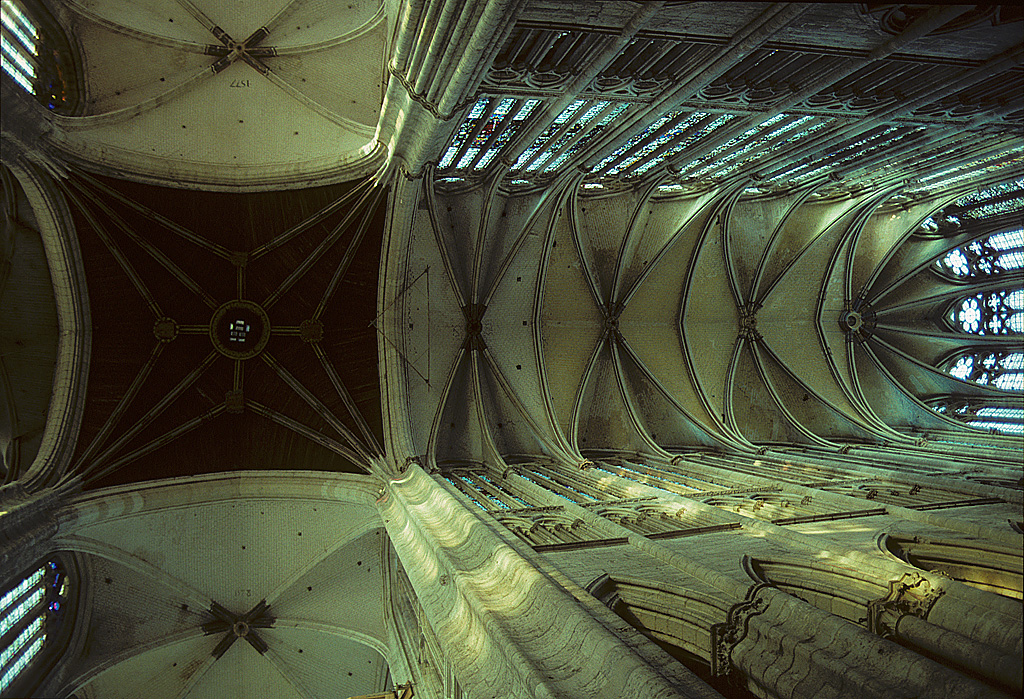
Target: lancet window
<point x="486" y="130"/>
<point x="983" y="414"/>
<point x="993" y="254"/>
<point x="20" y="46"/>
<point x="878" y="140"/>
<point x="978" y="169"/>
<point x="1005" y="199"/>
<point x="487" y="493"/>
<point x="664" y="138"/>
<point x="570" y="132"/>
<point x="35" y="54"/>
<point x="31" y="612"/>
<point x="753" y="144"/>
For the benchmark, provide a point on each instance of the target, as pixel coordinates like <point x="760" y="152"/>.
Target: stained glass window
<point x="29" y="614"/>
<point x="36" y="55"/>
<point x="461" y="482"/>
<point x="999" y="312"/>
<point x="20" y="39"/>
<point x="998" y="200"/>
<point x="752" y="145"/>
<point x="485" y="132"/>
<point x="504" y="491"/>
<point x="1002" y="370"/>
<point x="976" y="169"/>
<point x="983" y="415"/>
<point x="666" y="137"/>
<point x="993" y="254"/>
<point x="569" y="133"/>
<point x="888" y="138"/>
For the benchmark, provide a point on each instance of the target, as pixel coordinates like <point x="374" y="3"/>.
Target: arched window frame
<point x="996" y="252"/>
<point x="983" y="565"/>
<point x="37" y="613"/>
<point x="996" y="415"/>
<point x="996" y="367"/>
<point x="39" y="57"/>
<point x="987" y="312"/>
<point x="993" y="207"/>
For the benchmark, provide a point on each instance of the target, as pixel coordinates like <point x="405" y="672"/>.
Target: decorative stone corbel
<point x="912" y="594"/>
<point x="725" y="636"/>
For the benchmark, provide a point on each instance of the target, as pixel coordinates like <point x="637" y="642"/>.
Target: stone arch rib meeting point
<point x="718" y="203"/>
<point x="848" y="383"/>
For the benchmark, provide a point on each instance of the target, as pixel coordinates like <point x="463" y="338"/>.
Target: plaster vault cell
<point x="154" y="573"/>
<point x="159" y="106"/>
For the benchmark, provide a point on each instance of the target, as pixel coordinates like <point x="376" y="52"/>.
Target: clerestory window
<point x="20" y="45"/>
<point x="569" y="133"/>
<point x="752" y="145"/>
<point x="993" y="254"/>
<point x="485" y="132"/>
<point x="999" y="201"/>
<point x="879" y="140"/>
<point x="36" y="55"/>
<point x="982" y="414"/>
<point x="999" y="312"/>
<point x="661" y="140"/>
<point x="978" y="169"/>
<point x="31" y="614"/>
<point x="997" y="369"/>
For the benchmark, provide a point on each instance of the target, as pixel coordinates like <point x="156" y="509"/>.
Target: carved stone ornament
<point x="912" y="594"/>
<point x="725" y="636"/>
<point x="894" y="18"/>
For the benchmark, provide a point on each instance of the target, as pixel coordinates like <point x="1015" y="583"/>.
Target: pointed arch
<point x="983" y="565"/>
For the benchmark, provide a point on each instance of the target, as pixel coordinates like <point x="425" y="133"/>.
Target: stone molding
<point x="911" y="594"/>
<point x="726" y="635"/>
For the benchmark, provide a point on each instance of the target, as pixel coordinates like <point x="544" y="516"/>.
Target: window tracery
<point x="663" y="139"/>
<point x="1002" y="370"/>
<point x="978" y="169"/>
<point x="994" y="254"/>
<point x="762" y="140"/>
<point x="999" y="312"/>
<point x="20" y="46"/>
<point x="485" y="132"/>
<point x="570" y="131"/>
<point x="885" y="139"/>
<point x="1003" y="199"/>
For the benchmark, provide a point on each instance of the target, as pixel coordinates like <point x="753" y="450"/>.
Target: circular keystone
<point x="240" y="628"/>
<point x="240" y="329"/>
<point x="851" y="320"/>
<point x="165" y="329"/>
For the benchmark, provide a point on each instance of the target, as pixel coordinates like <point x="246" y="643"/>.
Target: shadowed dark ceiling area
<point x="168" y="397"/>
